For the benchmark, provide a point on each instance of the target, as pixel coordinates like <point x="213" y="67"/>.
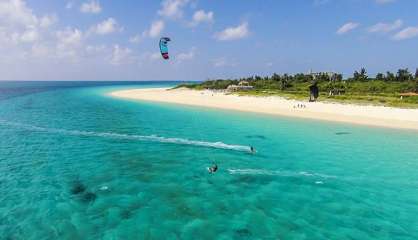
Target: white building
<point x="331" y="75"/>
<point x="242" y="86"/>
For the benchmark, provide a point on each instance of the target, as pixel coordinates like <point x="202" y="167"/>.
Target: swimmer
<point x="213" y="169"/>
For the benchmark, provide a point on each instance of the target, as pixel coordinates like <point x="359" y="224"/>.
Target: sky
<point x="118" y="40"/>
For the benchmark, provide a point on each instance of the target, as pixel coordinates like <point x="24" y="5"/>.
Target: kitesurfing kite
<point x="163" y="47"/>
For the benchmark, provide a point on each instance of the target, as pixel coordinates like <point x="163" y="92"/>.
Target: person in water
<point x="252" y="149"/>
<point x="213" y="169"/>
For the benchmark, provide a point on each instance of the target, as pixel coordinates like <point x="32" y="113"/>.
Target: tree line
<point x="359" y="83"/>
<point x="402" y="75"/>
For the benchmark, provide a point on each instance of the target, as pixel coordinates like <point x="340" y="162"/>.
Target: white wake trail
<point x="150" y="138"/>
<point x="280" y="173"/>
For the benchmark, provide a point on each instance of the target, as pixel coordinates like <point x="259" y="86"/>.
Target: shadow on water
<point x="256" y="136"/>
<point x="77" y="188"/>
<point x="252" y="179"/>
<point x="126" y="214"/>
<point x="243" y="233"/>
<point x="342" y="133"/>
<point x="80" y="190"/>
<point x="88" y="197"/>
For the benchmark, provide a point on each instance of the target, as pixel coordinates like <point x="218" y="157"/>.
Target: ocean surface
<point x="76" y="163"/>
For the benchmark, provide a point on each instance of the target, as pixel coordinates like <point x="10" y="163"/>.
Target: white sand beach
<point x="350" y="113"/>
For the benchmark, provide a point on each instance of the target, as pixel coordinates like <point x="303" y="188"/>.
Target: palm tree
<point x="380" y="77"/>
<point x="416" y="81"/>
<point x="275" y="77"/>
<point x="390" y="77"/>
<point x="416" y="85"/>
<point x="360" y="76"/>
<point x="284" y="80"/>
<point x="363" y="74"/>
<point x="338" y="77"/>
<point x="403" y="75"/>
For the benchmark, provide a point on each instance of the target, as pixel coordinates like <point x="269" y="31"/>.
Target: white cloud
<point x="69" y="37"/>
<point x="233" y="33"/>
<point x="135" y="39"/>
<point x="384" y="1"/>
<point x="15" y="12"/>
<point x="29" y="36"/>
<point x="409" y="32"/>
<point x="172" y="8"/>
<point x="24" y="35"/>
<point x="150" y="57"/>
<point x="48" y="20"/>
<point x="108" y="26"/>
<point x="18" y="24"/>
<point x="347" y="27"/>
<point x="187" y="56"/>
<point x="33" y="41"/>
<point x="40" y="51"/>
<point x="91" y="7"/>
<point x="121" y="56"/>
<point x="69" y="42"/>
<point x="386" y="27"/>
<point x="155" y="30"/>
<point x="201" y="16"/>
<point x="92" y="50"/>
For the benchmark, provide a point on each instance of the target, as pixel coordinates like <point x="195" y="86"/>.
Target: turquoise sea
<point x="76" y="163"/>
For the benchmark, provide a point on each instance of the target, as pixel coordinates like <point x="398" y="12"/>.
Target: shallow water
<point x="76" y="163"/>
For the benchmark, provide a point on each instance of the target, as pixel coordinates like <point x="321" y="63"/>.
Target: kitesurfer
<point x="163" y="47"/>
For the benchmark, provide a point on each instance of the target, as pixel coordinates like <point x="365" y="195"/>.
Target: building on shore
<point x="330" y="75"/>
<point x="242" y="86"/>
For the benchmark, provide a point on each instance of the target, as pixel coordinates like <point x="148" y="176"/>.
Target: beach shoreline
<point x="378" y="116"/>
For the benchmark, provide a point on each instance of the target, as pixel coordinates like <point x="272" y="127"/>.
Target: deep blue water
<point x="76" y="163"/>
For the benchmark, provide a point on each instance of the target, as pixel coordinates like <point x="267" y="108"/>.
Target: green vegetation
<point x="384" y="89"/>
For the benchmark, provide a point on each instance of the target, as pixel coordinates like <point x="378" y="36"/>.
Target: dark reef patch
<point x="89" y="197"/>
<point x="126" y="214"/>
<point x="80" y="190"/>
<point x="243" y="232"/>
<point x="77" y="188"/>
